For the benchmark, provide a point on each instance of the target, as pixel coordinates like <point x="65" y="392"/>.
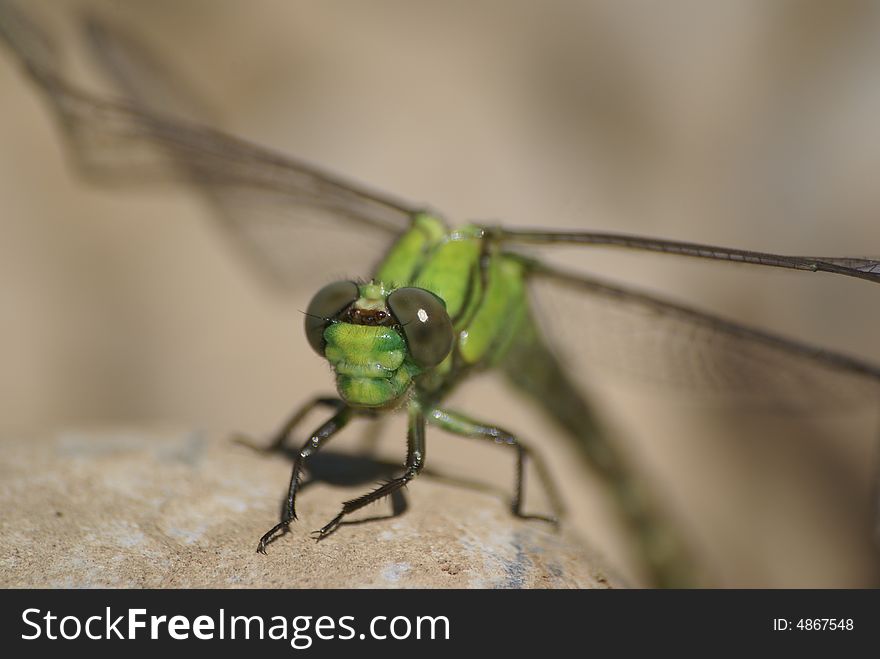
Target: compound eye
<point x="425" y="324"/>
<point x="324" y="307"/>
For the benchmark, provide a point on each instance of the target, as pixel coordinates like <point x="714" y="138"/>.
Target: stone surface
<point x="141" y="509"/>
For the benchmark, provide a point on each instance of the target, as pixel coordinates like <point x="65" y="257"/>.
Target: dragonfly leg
<point x="281" y="435"/>
<point x="461" y="425"/>
<point x="415" y="460"/>
<point x="329" y="428"/>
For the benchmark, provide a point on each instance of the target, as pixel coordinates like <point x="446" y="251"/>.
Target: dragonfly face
<point x="377" y="340"/>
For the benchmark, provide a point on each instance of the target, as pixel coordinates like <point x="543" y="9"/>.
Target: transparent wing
<point x="599" y="329"/>
<point x="293" y="217"/>
<point x="861" y="268"/>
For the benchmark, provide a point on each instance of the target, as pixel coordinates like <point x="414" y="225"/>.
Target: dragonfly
<point x="437" y="304"/>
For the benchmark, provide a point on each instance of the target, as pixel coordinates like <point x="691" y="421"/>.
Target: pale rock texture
<point x="137" y="509"/>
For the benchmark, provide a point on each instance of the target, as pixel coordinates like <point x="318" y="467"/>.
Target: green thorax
<point x="484" y="296"/>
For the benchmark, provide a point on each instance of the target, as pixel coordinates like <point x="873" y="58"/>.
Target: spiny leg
<point x="462" y="425"/>
<point x="329" y="428"/>
<point x="415" y="460"/>
<point x="281" y="435"/>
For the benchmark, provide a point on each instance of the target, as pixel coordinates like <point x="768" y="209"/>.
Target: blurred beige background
<point x="746" y="124"/>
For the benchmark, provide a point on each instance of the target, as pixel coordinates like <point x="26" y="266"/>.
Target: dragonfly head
<point x="377" y="339"/>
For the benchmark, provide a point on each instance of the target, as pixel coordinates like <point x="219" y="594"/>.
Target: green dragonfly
<point x="437" y="305"/>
